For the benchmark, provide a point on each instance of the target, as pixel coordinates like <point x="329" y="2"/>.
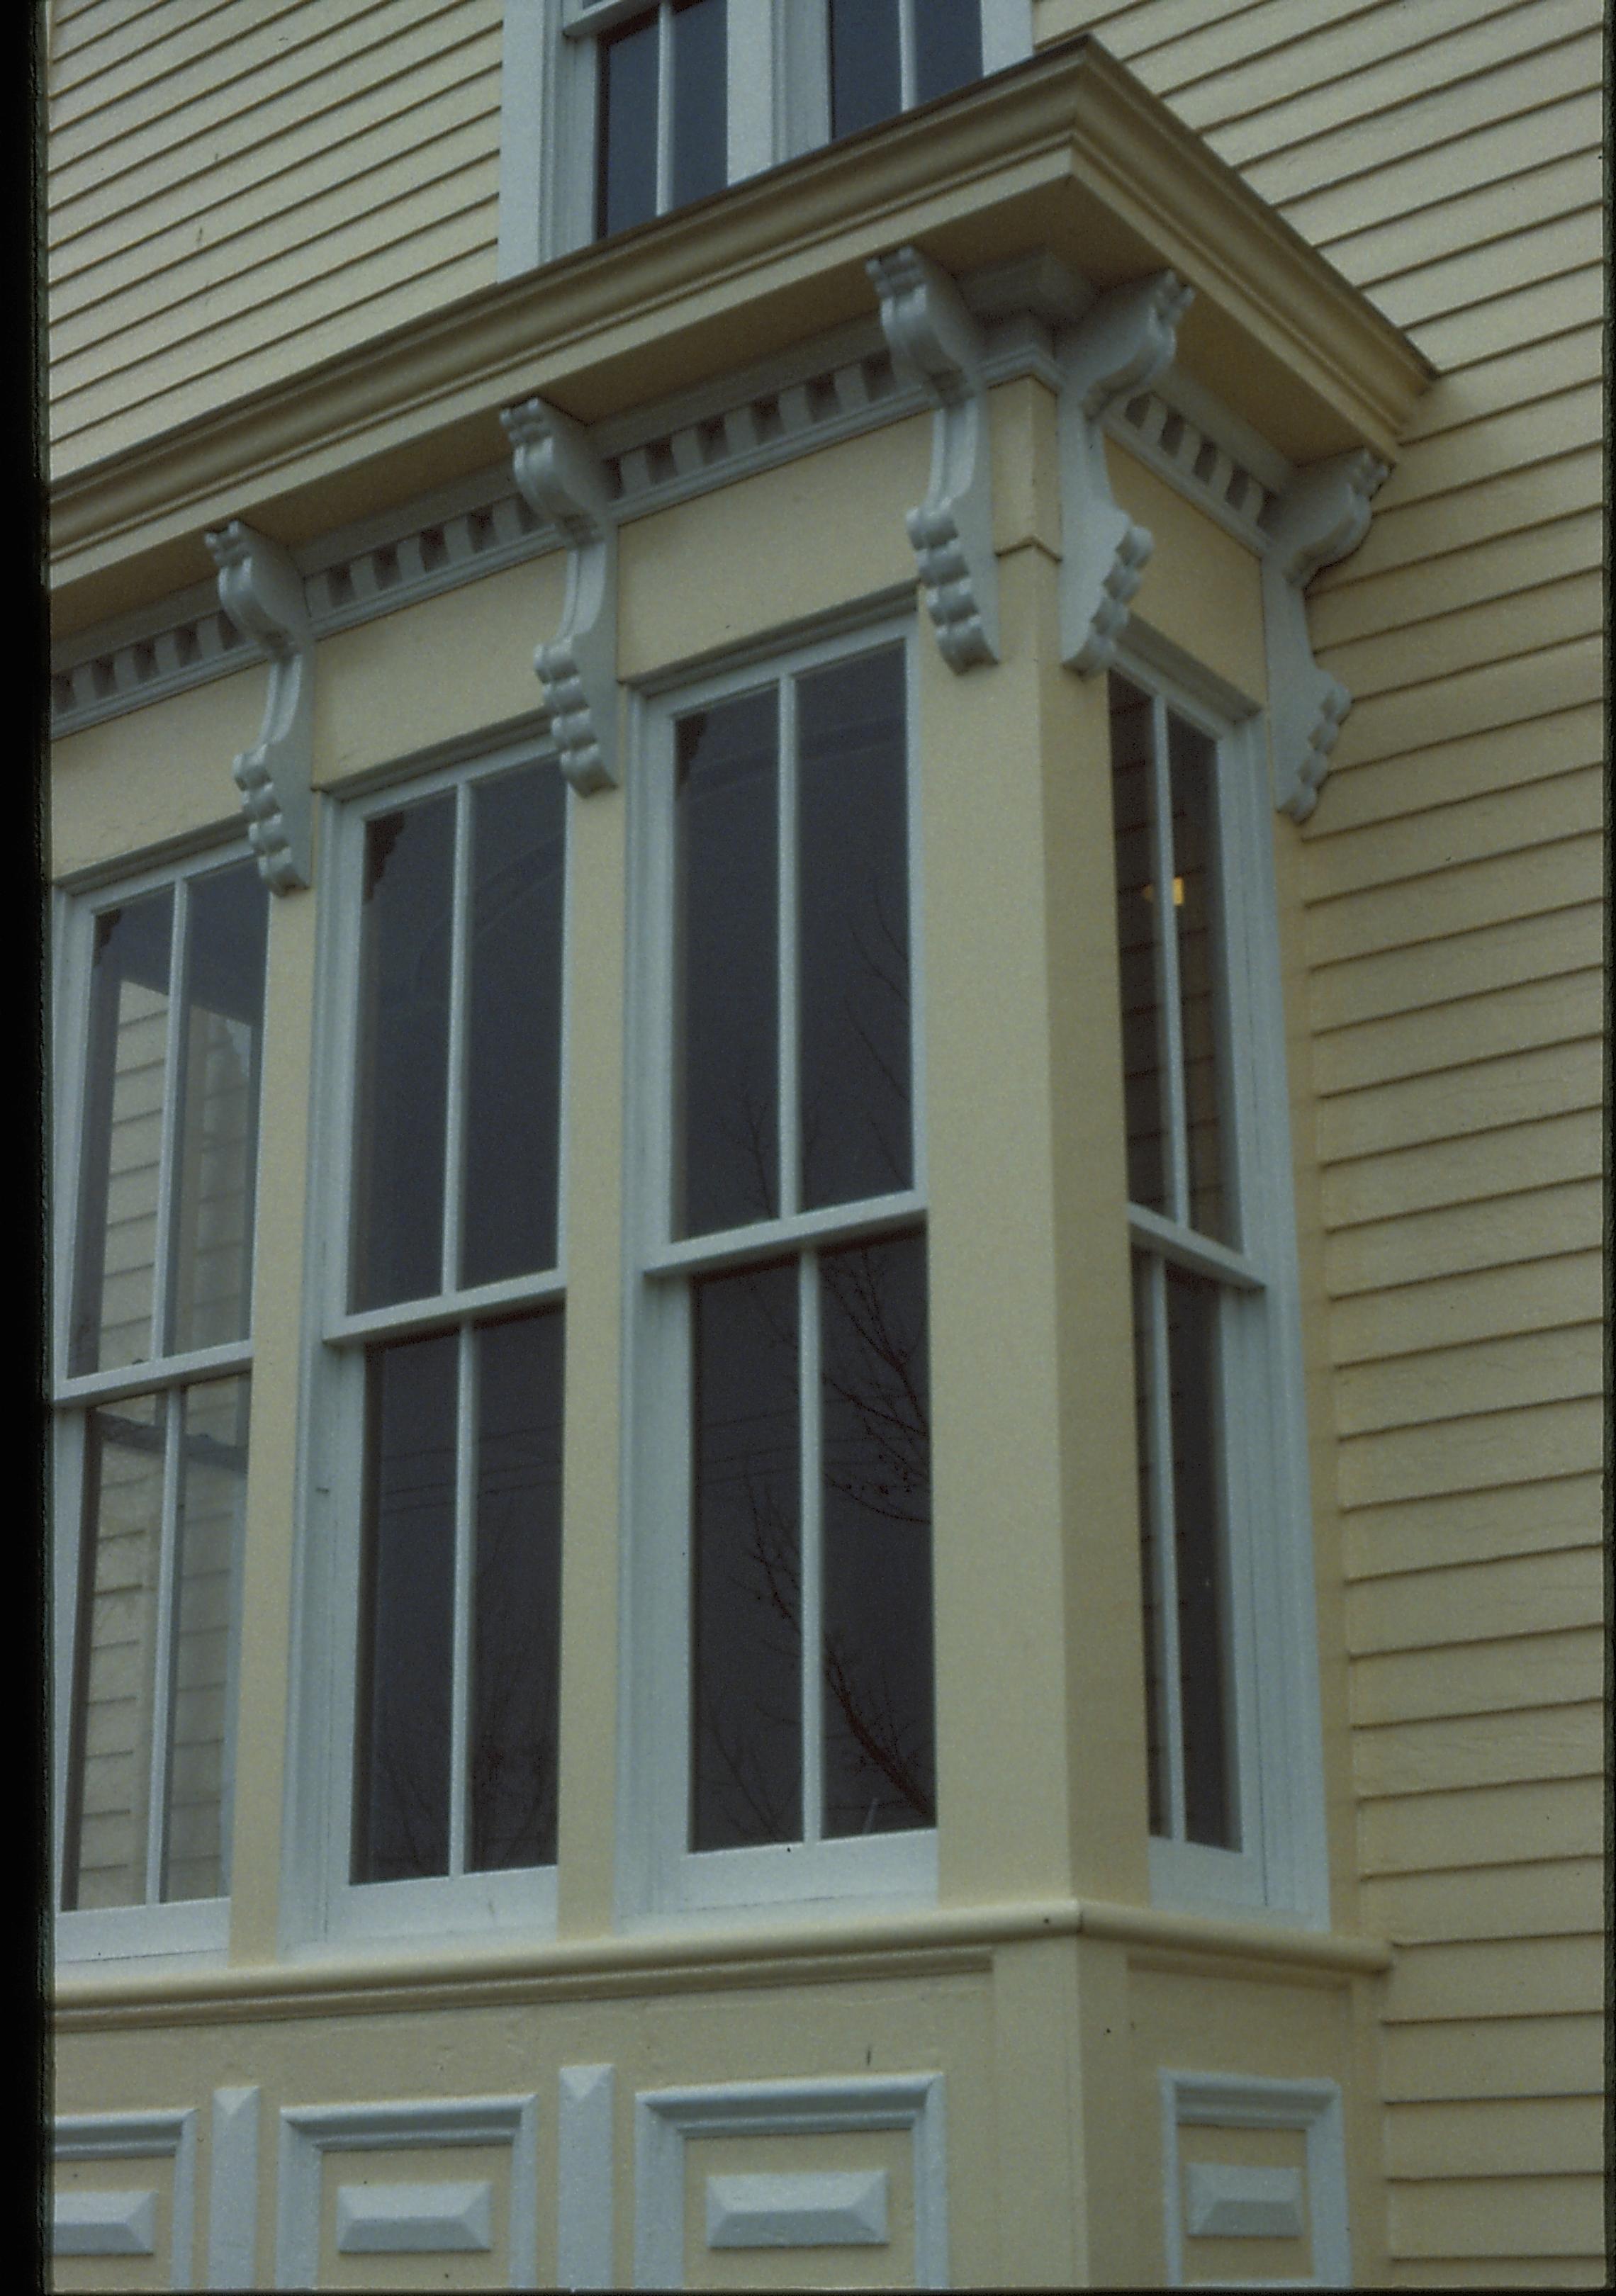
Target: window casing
<point x="438" y="1370"/>
<point x="779" y="1476"/>
<point x="161" y="1005"/>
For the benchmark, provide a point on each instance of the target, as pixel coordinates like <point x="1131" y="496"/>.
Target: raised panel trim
<point x="816" y="2208"/>
<point x="1226" y="2202"/>
<point x="1221" y="2100"/>
<point x="428" y="2217"/>
<point x="584" y="2202"/>
<point x="233" y="2190"/>
<point x="130" y="2136"/>
<point x="104" y="2223"/>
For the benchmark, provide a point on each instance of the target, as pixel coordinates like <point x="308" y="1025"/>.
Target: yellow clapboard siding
<point x="1508" y="1977"/>
<point x="1473" y="1527"/>
<point x="1446" y="644"/>
<point x="1430" y="290"/>
<point x="1563" y="184"/>
<point x="1482" y="1096"/>
<point x="81" y="47"/>
<point x="1506" y="1235"/>
<point x="1500" y="2272"/>
<point x="1407" y="1316"/>
<point x="1492" y="958"/>
<point x="1502" y="693"/>
<point x="1483" y="888"/>
<point x="212" y="37"/>
<point x="1426" y="530"/>
<point x="1480" y="1601"/>
<point x="1507" y="439"/>
<point x="1183" y="36"/>
<point x="1227" y="72"/>
<point x="1463" y="339"/>
<point x="1517" y="377"/>
<point x="1556" y="1011"/>
<point x="1441" y="1753"/>
<point x="1562" y="1897"/>
<point x="1499" y="1825"/>
<point x="1378" y="790"/>
<point x="1502" y="2216"/>
<point x="1485" y="1452"/>
<point x="1487" y="1164"/>
<point x="1445" y="840"/>
<point x="1411" y="598"/>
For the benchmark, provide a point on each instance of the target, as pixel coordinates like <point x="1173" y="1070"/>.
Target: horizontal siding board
<point x="1514" y="1597"/>
<point x="1410" y="598"/>
<point x="1425" y="292"/>
<point x="1484" y="1096"/>
<point x="1504" y="694"/>
<point x="1442" y="645"/>
<point x="1493" y="957"/>
<point x="1505" y="1977"/>
<point x="1523" y="1674"/>
<point x="1383" y="790"/>
<point x="1404" y="1318"/>
<point x="1457" y="1171"/>
<point x="1503" y="1237"/>
<point x="1502" y="2272"/>
<point x="1491" y="1374"/>
<point x="1214" y="82"/>
<point x="140" y="74"/>
<point x="1179" y="40"/>
<point x="1445" y="1530"/>
<point x="1445" y="840"/>
<point x="1477" y="221"/>
<point x="1483" y="887"/>
<point x="1442" y="1752"/>
<point x="1425" y="530"/>
<point x="1510" y="438"/>
<point x="1485" y="1451"/>
<point x="1546" y="2216"/>
<point x="1493" y="1826"/>
<point x="1528" y="1015"/>
<point x="1519" y="377"/>
<point x="1483" y="329"/>
<point x="1564" y="1898"/>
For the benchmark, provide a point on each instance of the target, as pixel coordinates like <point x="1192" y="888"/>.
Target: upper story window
<point x="162" y="1009"/>
<point x="885" y="55"/>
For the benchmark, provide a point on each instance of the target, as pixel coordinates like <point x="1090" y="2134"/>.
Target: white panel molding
<point x="233" y="2190"/>
<point x="262" y="592"/>
<point x="1113" y="354"/>
<point x="664" y="2119"/>
<point x="80" y="2217"/>
<point x="817" y="2207"/>
<point x="584" y="2203"/>
<point x="1323" y="518"/>
<point x="1248" y="2101"/>
<point x="562" y="478"/>
<point x="1224" y="2200"/>
<point x="309" y="2132"/>
<point x="936" y="345"/>
<point x="429" y="2218"/>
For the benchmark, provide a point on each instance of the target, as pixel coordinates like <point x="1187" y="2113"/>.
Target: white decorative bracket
<point x="563" y="479"/>
<point x="1323" y="517"/>
<point x="262" y="592"/>
<point x="936" y="343"/>
<point x="1119" y="349"/>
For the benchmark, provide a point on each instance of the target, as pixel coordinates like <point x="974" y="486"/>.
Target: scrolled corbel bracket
<point x="1323" y="517"/>
<point x="936" y="343"/>
<point x="262" y="592"/>
<point x="564" y="479"/>
<point x="1119" y="347"/>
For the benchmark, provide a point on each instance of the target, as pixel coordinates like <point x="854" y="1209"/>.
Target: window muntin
<point x="887" y="55"/>
<point x="153" y="1396"/>
<point x="661" y="112"/>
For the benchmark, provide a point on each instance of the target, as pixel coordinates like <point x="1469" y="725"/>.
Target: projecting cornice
<point x="1066" y="154"/>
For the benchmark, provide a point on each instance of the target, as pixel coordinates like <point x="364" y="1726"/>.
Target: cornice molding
<point x="563" y="479"/>
<point x="262" y="592"/>
<point x="1324" y="518"/>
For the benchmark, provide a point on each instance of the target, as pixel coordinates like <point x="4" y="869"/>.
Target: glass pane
<point x="115" y="1663"/>
<point x="701" y="102"/>
<point x="1150" y="1554"/>
<point x="227" y="929"/>
<point x="1192" y="1341"/>
<point x="853" y="931"/>
<point x="866" y="71"/>
<point x="403" y="1054"/>
<point x="947" y="46"/>
<point x="1142" y="1015"/>
<point x="513" y="1019"/>
<point x="401" y="1766"/>
<point x="746" y="1717"/>
<point x="517" y="1594"/>
<point x="122" y="1136"/>
<point x="212" y="1504"/>
<point x="725" y="1125"/>
<point x="626" y="138"/>
<point x="880" y="1746"/>
<point x="1191" y="765"/>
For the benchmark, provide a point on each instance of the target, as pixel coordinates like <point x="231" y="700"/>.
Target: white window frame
<point x="660" y="1880"/>
<point x="189" y="1930"/>
<point x="1271" y="1630"/>
<point x="778" y="104"/>
<point x="324" y="1906"/>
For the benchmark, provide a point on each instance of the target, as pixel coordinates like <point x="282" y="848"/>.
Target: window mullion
<point x="1167" y="1551"/>
<point x="906" y="50"/>
<point x="465" y="1494"/>
<point x="162" y="1656"/>
<point x="791" y="1127"/>
<point x="810" y="1606"/>
<point x="168" y="1128"/>
<point x="665" y="103"/>
<point x="453" y="1154"/>
<point x="1171" y="1045"/>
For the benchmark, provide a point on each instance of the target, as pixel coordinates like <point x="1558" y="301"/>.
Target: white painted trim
<point x="262" y="592"/>
<point x="1227" y="2200"/>
<point x="563" y="479"/>
<point x="426" y="2217"/>
<point x="133" y="2136"/>
<point x="585" y="2144"/>
<point x="814" y="2207"/>
<point x="309" y="2132"/>
<point x="1320" y="521"/>
<point x="104" y="2223"/>
<point x="524" y="41"/>
<point x="233" y="2190"/>
<point x="1221" y="2100"/>
<point x="664" y="2119"/>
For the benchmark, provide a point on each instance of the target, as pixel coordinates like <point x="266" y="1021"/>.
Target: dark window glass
<point x="700" y="100"/>
<point x="401" y="1771"/>
<point x="625" y="139"/>
<point x="209" y="1520"/>
<point x="1192" y="1340"/>
<point x="512" y="1067"/>
<point x="866" y="81"/>
<point x="853" y="932"/>
<point x="1143" y="1019"/>
<point x="1150" y="1554"/>
<point x="725" y="1125"/>
<point x="947" y="46"/>
<point x="403" y="1054"/>
<point x="746" y="1720"/>
<point x="880" y="1760"/>
<point x="1192" y="764"/>
<point x="515" y="1656"/>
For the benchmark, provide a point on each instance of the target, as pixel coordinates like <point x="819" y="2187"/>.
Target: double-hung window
<point x="440" y="1369"/>
<point x="784" y="1744"/>
<point x="1230" y="1722"/>
<point x="161" y="1020"/>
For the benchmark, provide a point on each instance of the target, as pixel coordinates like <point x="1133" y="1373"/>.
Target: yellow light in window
<point x="1149" y="892"/>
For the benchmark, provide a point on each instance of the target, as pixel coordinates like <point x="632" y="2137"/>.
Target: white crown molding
<point x="563" y="479"/>
<point x="1112" y="355"/>
<point x="262" y="592"/>
<point x="1323" y="518"/>
<point x="936" y="344"/>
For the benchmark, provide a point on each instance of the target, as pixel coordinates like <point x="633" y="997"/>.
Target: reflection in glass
<point x="626" y="137"/>
<point x="401" y="1769"/>
<point x="1142" y="1018"/>
<point x="746" y="1754"/>
<point x="212" y="1499"/>
<point x="227" y="924"/>
<point x="107" y="1815"/>
<point x="725" y="1125"/>
<point x="853" y="931"/>
<point x="947" y="46"/>
<point x="701" y="104"/>
<point x="517" y="1594"/>
<point x="880" y="1760"/>
<point x="1191" y="762"/>
<point x="513" y="1064"/>
<point x="867" y="82"/>
<point x="121" y="1133"/>
<point x="403" y="1054"/>
<point x="1199" y="1543"/>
